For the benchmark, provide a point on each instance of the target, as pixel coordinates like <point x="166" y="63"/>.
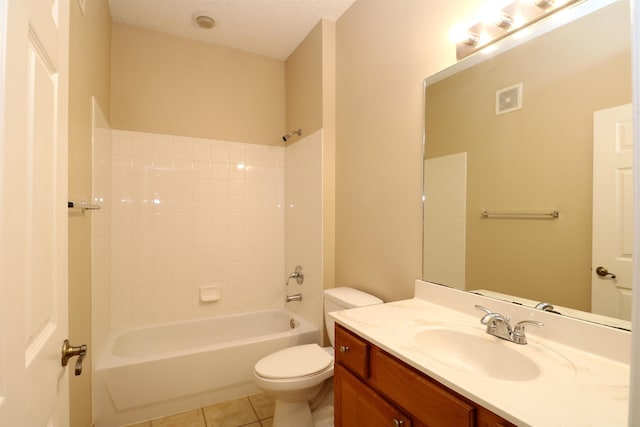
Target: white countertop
<point x="584" y="368"/>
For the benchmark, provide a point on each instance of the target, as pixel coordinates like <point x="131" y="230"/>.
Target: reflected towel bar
<point x="552" y="214"/>
<point x="83" y="205"/>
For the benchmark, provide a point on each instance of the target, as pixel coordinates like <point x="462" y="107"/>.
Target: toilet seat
<point x="294" y="362"/>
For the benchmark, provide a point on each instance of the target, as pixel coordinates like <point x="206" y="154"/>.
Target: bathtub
<point x="158" y="370"/>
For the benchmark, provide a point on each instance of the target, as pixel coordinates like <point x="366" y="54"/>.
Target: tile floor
<point x="251" y="411"/>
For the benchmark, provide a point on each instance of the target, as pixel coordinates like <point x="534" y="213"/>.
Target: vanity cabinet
<point x="373" y="388"/>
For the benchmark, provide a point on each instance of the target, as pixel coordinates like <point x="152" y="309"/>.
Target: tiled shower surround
<point x="188" y="213"/>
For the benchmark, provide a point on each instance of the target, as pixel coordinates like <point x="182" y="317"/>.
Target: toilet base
<point x="296" y="410"/>
<point x="292" y="414"/>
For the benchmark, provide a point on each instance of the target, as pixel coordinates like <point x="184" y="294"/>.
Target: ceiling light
<point x="204" y="21"/>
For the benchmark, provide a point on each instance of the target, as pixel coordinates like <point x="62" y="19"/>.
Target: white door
<point x="612" y="253"/>
<point x="33" y="213"/>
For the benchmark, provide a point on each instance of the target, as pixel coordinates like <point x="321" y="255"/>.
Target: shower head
<point x="290" y="134"/>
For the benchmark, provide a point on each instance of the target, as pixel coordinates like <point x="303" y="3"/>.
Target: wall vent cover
<point x="509" y="99"/>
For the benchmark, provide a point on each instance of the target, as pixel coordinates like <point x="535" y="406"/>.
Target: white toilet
<point x="297" y="375"/>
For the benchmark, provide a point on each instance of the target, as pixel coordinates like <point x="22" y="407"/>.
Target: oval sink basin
<point x="487" y="356"/>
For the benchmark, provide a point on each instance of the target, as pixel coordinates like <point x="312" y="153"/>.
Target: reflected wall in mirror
<point x="534" y="158"/>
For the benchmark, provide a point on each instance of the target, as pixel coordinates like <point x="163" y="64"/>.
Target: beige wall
<point x="304" y="84"/>
<point x="536" y="158"/>
<point x="329" y="153"/>
<point x="89" y="65"/>
<point x="384" y="50"/>
<point x="171" y="85"/>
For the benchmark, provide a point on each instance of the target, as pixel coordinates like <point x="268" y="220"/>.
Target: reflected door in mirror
<point x="612" y="211"/>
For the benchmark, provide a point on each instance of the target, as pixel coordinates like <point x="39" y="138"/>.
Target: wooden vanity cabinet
<point x="373" y="388"/>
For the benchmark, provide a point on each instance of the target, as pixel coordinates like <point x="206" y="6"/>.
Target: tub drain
<point x="292" y="323"/>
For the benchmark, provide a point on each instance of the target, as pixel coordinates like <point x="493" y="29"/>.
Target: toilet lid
<point x="292" y="362"/>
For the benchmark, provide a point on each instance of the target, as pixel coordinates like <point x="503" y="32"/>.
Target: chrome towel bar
<point x="487" y="214"/>
<point x="83" y="205"/>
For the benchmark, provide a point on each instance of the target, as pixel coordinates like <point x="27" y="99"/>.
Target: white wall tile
<point x="182" y="148"/>
<point x="102" y="153"/>
<point x="121" y="143"/>
<point x="219" y="151"/>
<point x="201" y="168"/>
<point x="445" y="219"/>
<point x="163" y="146"/>
<point x="303" y="201"/>
<point x="191" y="212"/>
<point x="236" y="153"/>
<point x="142" y="145"/>
<point x="121" y="165"/>
<point x="219" y="170"/>
<point x="236" y="171"/>
<point x="202" y="149"/>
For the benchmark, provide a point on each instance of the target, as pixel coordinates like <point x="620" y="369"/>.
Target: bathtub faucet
<point x="294" y="297"/>
<point x="297" y="274"/>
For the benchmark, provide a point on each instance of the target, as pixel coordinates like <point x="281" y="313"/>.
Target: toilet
<point x="298" y="376"/>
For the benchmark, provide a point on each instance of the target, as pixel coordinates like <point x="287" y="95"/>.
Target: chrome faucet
<point x="545" y="306"/>
<point x="294" y="297"/>
<point x="498" y="326"/>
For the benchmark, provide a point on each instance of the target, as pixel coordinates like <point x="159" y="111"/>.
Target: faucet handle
<point x="483" y="308"/>
<point x="520" y="325"/>
<point x="518" y="336"/>
<point x="491" y="315"/>
<point x="492" y="320"/>
<point x="297" y="274"/>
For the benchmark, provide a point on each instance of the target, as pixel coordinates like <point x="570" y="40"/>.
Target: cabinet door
<point x="357" y="405"/>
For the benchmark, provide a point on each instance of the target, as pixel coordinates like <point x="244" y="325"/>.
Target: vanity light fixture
<point x="542" y="4"/>
<point x="472" y="39"/>
<point x="505" y="22"/>
<point x="499" y="23"/>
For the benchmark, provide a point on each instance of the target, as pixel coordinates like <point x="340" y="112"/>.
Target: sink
<point x="479" y="354"/>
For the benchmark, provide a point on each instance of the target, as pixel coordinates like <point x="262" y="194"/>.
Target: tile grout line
<point x="204" y="418"/>
<point x="254" y="410"/>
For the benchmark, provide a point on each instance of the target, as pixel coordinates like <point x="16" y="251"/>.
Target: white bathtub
<point x="162" y="369"/>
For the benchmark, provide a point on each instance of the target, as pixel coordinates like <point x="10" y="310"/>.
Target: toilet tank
<point x="341" y="299"/>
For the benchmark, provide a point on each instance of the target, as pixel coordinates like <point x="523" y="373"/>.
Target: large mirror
<point x="517" y="205"/>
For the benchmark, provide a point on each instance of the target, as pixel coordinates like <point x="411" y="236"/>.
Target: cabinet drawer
<point x="352" y="352"/>
<point x="427" y="401"/>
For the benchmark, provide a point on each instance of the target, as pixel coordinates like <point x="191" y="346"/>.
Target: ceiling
<point x="272" y="28"/>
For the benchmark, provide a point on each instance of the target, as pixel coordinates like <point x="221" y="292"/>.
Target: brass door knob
<point x="69" y="351"/>
<point x="603" y="272"/>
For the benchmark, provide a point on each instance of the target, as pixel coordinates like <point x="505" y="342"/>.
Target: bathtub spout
<point x="294" y="297"/>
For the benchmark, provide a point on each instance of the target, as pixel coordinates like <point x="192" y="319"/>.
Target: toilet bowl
<point x="294" y="376"/>
<point x="298" y="377"/>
